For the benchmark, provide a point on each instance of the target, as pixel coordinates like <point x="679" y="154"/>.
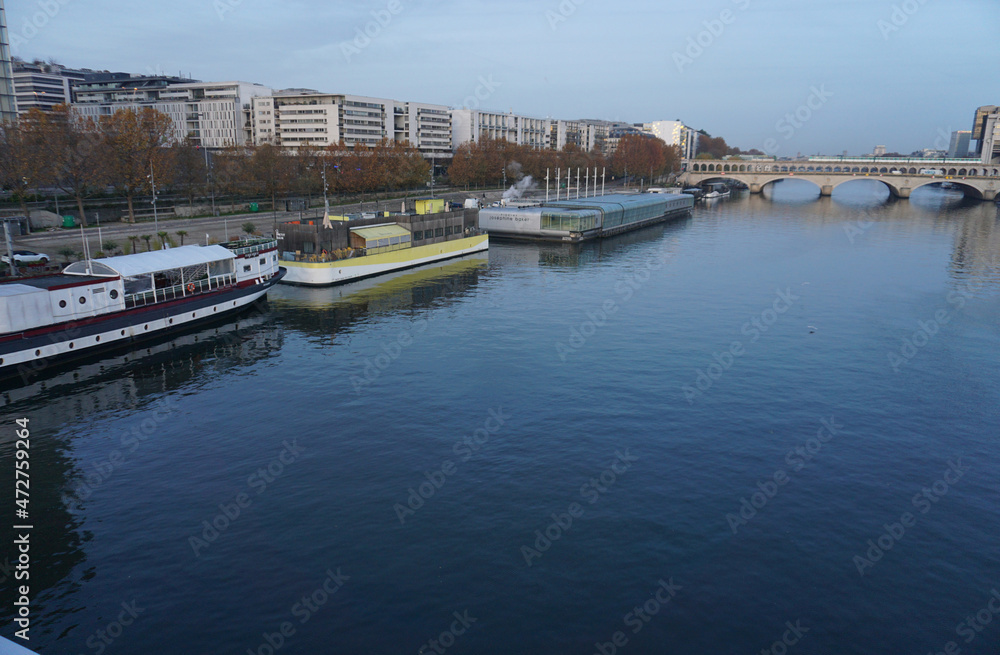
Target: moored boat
<point x="585" y="218"/>
<point x="319" y="253"/>
<point x="102" y="303"/>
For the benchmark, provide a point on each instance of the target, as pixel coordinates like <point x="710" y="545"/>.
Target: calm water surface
<point x="776" y="419"/>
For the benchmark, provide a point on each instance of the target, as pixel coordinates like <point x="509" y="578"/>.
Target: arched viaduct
<point x="976" y="180"/>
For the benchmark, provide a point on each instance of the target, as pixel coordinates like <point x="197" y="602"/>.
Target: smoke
<point x="517" y="190"/>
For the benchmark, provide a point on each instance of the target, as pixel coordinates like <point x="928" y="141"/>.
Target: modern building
<point x="879" y="151"/>
<point x="40" y="85"/>
<point x="959" y="146"/>
<point x="474" y="124"/>
<point x="112" y="90"/>
<point x="675" y="133"/>
<point x="213" y="114"/>
<point x="8" y="108"/>
<point x="586" y="134"/>
<point x="295" y="118"/>
<point x="986" y="133"/>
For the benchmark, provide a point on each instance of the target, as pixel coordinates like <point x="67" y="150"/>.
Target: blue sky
<point x="806" y="76"/>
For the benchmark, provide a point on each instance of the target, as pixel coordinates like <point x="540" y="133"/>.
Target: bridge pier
<point x="754" y="187"/>
<point x="903" y="192"/>
<point x="990" y="194"/>
<point x="826" y="190"/>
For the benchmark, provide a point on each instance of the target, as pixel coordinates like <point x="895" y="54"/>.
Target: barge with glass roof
<point x="102" y="303"/>
<point x="584" y="218"/>
<point x="344" y="248"/>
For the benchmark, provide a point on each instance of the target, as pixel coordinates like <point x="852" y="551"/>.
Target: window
<point x="62" y="303"/>
<point x="447" y="230"/>
<point x="83" y="300"/>
<point x="263" y="260"/>
<point x="246" y="269"/>
<point x="418" y="235"/>
<point x="114" y="294"/>
<point x="439" y="232"/>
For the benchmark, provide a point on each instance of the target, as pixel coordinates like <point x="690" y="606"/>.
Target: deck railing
<point x="178" y="291"/>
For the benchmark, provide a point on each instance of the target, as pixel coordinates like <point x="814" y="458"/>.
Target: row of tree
<point x="133" y="150"/>
<point x="488" y="162"/>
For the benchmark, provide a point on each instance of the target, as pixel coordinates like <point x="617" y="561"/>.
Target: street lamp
<point x="152" y="184"/>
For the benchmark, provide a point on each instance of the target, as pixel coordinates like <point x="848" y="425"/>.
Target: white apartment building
<point x="213" y="114"/>
<point x="473" y="124"/>
<point x="675" y="133"/>
<point x="587" y="134"/>
<point x="303" y="117"/>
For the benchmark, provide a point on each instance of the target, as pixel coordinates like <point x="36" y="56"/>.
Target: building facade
<point x="211" y="114"/>
<point x="296" y="118"/>
<point x="675" y="133"/>
<point x="474" y="124"/>
<point x="959" y="146"/>
<point x="38" y="85"/>
<point x="986" y="132"/>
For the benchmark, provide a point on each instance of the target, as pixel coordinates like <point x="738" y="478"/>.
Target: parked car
<point x="27" y="257"/>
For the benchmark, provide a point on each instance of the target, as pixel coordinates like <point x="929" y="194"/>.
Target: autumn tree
<point x="22" y="160"/>
<point x="190" y="174"/>
<point x="136" y="141"/>
<point x="715" y="147"/>
<point x="76" y="155"/>
<point x="270" y="172"/>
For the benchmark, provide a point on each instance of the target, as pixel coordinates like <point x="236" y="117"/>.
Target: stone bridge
<point x="901" y="176"/>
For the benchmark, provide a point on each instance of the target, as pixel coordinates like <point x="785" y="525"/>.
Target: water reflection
<point x="98" y="386"/>
<point x="326" y="311"/>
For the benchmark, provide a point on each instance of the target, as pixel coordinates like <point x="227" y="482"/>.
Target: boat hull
<point x="28" y="355"/>
<point x="344" y="270"/>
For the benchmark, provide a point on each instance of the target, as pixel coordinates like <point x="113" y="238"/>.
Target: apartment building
<point x="40" y="85"/>
<point x="295" y="118"/>
<point x="474" y="124"/>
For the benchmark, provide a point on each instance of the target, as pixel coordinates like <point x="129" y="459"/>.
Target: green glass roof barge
<point x="584" y="218"/>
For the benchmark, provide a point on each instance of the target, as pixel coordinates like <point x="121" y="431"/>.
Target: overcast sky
<point x="811" y="76"/>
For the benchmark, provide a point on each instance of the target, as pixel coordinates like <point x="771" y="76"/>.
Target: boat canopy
<point x="382" y="235"/>
<point x="145" y="263"/>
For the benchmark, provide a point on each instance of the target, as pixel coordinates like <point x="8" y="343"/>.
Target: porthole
<point x="62" y="303"/>
<point x="71" y="345"/>
<point x="171" y="321"/>
<point x="192" y="314"/>
<point x="114" y="294"/>
<point x="38" y="353"/>
<point x="145" y="327"/>
<point x="97" y="338"/>
<point x="123" y="333"/>
<point x="1" y="360"/>
<point x="83" y="300"/>
<point x="215" y="309"/>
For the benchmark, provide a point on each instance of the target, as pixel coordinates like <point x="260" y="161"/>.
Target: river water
<point x="772" y="425"/>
